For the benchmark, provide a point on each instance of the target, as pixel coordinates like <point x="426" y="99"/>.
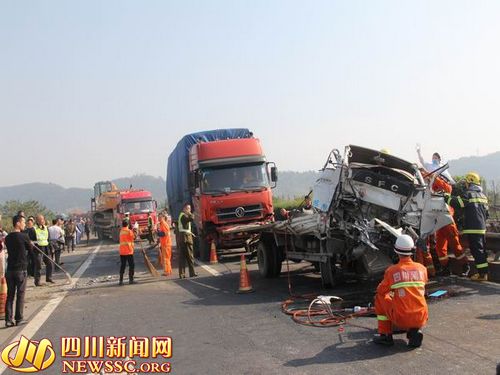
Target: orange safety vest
<point x="126" y="241"/>
<point x="166" y="229"/>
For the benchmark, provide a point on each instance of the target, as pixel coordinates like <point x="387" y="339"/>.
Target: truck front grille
<point x="240" y="212"/>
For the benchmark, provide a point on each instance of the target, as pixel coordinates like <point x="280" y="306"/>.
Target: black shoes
<point x="50" y="281"/>
<point x="194" y="275"/>
<point x="381" y="339"/>
<point x="9" y="323"/>
<point x="415" y="337"/>
<point x="444" y="271"/>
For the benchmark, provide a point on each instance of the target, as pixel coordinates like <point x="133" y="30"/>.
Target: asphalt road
<point x="217" y="331"/>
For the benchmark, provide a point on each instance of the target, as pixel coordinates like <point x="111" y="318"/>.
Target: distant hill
<point x="487" y="166"/>
<point x="62" y="200"/>
<point x="290" y="184"/>
<point x="294" y="184"/>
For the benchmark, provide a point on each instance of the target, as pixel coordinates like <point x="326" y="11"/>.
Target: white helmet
<point x="404" y="245"/>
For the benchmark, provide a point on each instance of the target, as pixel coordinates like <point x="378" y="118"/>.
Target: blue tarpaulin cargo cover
<point x="178" y="165"/>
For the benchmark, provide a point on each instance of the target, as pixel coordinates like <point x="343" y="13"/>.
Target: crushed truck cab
<point x="363" y="199"/>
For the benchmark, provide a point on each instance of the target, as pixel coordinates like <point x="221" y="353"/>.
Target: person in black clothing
<point x="87" y="229"/>
<point x="18" y="247"/>
<point x="30" y="231"/>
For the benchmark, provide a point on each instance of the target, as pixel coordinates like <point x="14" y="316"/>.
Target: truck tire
<point x="278" y="260"/>
<point x="266" y="260"/>
<point x="203" y="249"/>
<point x="327" y="270"/>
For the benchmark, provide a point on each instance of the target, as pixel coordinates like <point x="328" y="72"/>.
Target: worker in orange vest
<point x="400" y="298"/>
<point x="447" y="237"/>
<point x="127" y="238"/>
<point x="165" y="246"/>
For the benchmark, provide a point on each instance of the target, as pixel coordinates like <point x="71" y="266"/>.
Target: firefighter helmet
<point x="473" y="178"/>
<point x="404" y="245"/>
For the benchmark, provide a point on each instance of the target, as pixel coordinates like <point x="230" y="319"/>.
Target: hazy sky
<point x="93" y="90"/>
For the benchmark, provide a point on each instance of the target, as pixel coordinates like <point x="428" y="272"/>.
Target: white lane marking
<point x="209" y="269"/>
<point x="39" y="319"/>
<point x="206" y="286"/>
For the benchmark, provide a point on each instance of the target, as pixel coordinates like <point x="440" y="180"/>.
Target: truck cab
<point x="230" y="183"/>
<point x="110" y="206"/>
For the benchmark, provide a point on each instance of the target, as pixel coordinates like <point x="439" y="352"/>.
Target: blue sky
<point x="104" y="89"/>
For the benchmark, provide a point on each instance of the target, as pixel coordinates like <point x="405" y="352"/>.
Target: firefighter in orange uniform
<point x="166" y="246"/>
<point x="127" y="237"/>
<point x="400" y="298"/>
<point x="447" y="237"/>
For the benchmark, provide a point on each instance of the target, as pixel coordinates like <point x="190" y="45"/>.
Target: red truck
<point x="225" y="176"/>
<point x="110" y="206"/>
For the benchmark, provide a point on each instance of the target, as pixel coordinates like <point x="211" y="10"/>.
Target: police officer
<point x="42" y="242"/>
<point x="186" y="242"/>
<point x="150" y="228"/>
<point x="475" y="206"/>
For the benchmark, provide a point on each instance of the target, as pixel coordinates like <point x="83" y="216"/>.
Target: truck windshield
<point x="138" y="207"/>
<point x="234" y="178"/>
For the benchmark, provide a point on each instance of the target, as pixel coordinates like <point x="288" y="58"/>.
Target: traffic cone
<point x="245" y="285"/>
<point x="213" y="254"/>
<point x="3" y="297"/>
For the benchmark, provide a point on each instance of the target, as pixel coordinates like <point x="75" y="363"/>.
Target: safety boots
<point x="382" y="339"/>
<point x="479" y="277"/>
<point x="131" y="279"/>
<point x="415" y="337"/>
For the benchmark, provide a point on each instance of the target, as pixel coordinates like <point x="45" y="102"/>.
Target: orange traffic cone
<point x="213" y="254"/>
<point x="245" y="285"/>
<point x="3" y="297"/>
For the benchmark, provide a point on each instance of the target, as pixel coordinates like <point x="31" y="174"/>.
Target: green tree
<point x="30" y="208"/>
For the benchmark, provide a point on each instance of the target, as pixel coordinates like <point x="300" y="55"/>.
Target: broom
<point x="148" y="263"/>
<point x="68" y="276"/>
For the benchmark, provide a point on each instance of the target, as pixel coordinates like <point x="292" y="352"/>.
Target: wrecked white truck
<point x="362" y="200"/>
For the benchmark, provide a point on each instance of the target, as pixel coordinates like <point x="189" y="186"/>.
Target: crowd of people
<point x="33" y="243"/>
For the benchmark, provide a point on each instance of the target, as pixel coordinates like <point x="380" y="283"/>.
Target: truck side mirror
<point x="274" y="174"/>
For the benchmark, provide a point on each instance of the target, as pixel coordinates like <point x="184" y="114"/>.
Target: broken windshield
<point x="234" y="178"/>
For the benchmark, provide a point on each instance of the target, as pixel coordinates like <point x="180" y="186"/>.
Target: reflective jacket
<point x="476" y="210"/>
<point x="403" y="287"/>
<point x="474" y="205"/>
<point x="126" y="241"/>
<point x="184" y="227"/>
<point x="42" y="235"/>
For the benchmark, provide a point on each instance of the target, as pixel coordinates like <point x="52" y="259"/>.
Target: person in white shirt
<point x="56" y="240"/>
<point x="434" y="164"/>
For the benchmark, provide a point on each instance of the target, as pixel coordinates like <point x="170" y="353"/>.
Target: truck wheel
<point x="267" y="265"/>
<point x="327" y="270"/>
<point x="278" y="260"/>
<point x="203" y="249"/>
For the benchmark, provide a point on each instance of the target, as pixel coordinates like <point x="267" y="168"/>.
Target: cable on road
<point x="321" y="310"/>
